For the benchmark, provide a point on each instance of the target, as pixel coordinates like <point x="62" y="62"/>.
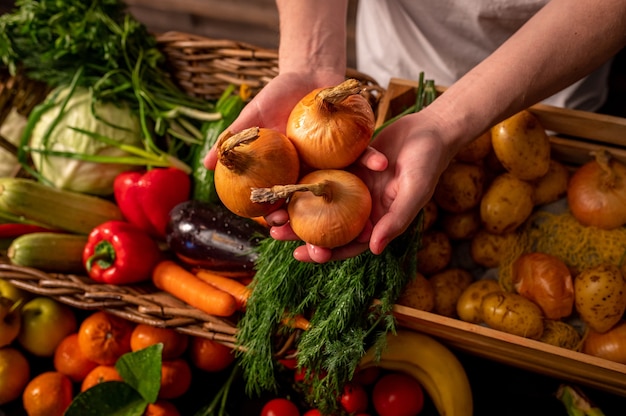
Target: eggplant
<point x="209" y="235"/>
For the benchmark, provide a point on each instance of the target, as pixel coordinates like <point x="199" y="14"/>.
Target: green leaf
<point x="111" y="398"/>
<point x="142" y="371"/>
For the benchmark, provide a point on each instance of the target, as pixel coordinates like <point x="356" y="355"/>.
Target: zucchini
<point x="28" y="201"/>
<point x="48" y="251"/>
<point x="203" y="188"/>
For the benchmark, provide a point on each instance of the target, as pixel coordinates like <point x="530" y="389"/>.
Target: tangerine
<point x="14" y="374"/>
<point x="161" y="408"/>
<point x="209" y="355"/>
<point x="48" y="394"/>
<point x="174" y="342"/>
<point x="175" y="378"/>
<point x="103" y="337"/>
<point x="100" y="374"/>
<point x="70" y="360"/>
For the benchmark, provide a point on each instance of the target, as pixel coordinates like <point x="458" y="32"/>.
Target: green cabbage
<point x="52" y="133"/>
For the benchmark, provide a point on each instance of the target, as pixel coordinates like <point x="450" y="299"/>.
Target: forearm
<point x="562" y="43"/>
<point x="312" y="35"/>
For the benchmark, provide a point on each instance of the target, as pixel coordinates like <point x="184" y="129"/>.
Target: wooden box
<point x="573" y="135"/>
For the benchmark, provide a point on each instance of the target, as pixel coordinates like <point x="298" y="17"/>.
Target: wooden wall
<point x="252" y="21"/>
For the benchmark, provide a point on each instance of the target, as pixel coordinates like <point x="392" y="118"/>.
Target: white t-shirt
<point x="446" y="38"/>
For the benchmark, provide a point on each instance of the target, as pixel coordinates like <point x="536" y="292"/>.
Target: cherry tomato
<point x="398" y="394"/>
<point x="354" y="398"/>
<point x="312" y="412"/>
<point x="280" y="407"/>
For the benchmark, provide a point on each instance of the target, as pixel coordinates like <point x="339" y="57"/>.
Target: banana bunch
<point x="432" y="364"/>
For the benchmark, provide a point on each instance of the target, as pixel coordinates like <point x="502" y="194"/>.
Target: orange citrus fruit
<point x="175" y="378"/>
<point x="14" y="374"/>
<point x="103" y="337"/>
<point x="161" y="408"/>
<point x="70" y="360"/>
<point x="100" y="374"/>
<point x="48" y="394"/>
<point x="209" y="355"/>
<point x="174" y="342"/>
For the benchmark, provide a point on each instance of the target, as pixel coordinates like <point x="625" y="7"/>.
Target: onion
<point x="547" y="281"/>
<point x="331" y="127"/>
<point x="610" y="345"/>
<point x="597" y="192"/>
<point x="328" y="208"/>
<point x="255" y="157"/>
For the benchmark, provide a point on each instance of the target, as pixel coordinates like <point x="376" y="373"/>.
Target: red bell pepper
<point x="118" y="253"/>
<point x="146" y="198"/>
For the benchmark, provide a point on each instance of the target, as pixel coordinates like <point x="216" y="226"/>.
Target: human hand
<point x="401" y="170"/>
<point x="272" y="105"/>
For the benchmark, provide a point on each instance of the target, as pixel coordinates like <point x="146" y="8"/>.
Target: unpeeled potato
<point x="418" y="294"/>
<point x="461" y="226"/>
<point x="506" y="204"/>
<point x="488" y="249"/>
<point x="551" y="186"/>
<point x="430" y="213"/>
<point x="476" y="150"/>
<point x="522" y="146"/>
<point x="449" y="285"/>
<point x="435" y="253"/>
<point x="460" y="187"/>
<point x="512" y="313"/>
<point x="600" y="296"/>
<point x="468" y="306"/>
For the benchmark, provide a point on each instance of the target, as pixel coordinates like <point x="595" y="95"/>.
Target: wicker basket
<point x="204" y="68"/>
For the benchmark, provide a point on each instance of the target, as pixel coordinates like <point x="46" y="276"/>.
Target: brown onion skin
<point x="596" y="198"/>
<point x="330" y="223"/>
<point x="610" y="345"/>
<point x="270" y="160"/>
<point x="330" y="136"/>
<point x="547" y="281"/>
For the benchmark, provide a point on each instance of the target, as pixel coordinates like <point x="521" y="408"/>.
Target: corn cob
<point x="33" y="202"/>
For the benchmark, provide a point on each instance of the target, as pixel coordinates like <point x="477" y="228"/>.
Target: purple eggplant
<point x="209" y="235"/>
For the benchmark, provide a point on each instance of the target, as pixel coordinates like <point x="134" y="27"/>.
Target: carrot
<point x="296" y="321"/>
<point x="238" y="290"/>
<point x="184" y="285"/>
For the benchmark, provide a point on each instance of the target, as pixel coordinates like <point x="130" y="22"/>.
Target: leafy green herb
<point x="97" y="44"/>
<point x="349" y="303"/>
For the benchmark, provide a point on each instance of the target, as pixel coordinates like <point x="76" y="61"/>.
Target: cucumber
<point x="49" y="252"/>
<point x="203" y="188"/>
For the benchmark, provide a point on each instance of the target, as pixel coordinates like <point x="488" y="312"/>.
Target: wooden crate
<point x="576" y="133"/>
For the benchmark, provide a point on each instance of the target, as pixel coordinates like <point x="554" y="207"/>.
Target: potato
<point x="418" y="294"/>
<point x="600" y="296"/>
<point x="561" y="334"/>
<point x="512" y="313"/>
<point x="476" y="150"/>
<point x="430" y="215"/>
<point x="449" y="285"/>
<point x="460" y="187"/>
<point x="487" y="249"/>
<point x="461" y="226"/>
<point x="468" y="306"/>
<point x="552" y="186"/>
<point x="435" y="253"/>
<point x="506" y="204"/>
<point x="522" y="146"/>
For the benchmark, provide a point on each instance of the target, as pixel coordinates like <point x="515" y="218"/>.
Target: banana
<point x="432" y="364"/>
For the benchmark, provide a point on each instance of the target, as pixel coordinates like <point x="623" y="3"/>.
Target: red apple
<point x="45" y="322"/>
<point x="9" y="321"/>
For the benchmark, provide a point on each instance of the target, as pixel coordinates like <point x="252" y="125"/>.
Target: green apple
<point x="45" y="322"/>
<point x="9" y="290"/>
<point x="10" y="321"/>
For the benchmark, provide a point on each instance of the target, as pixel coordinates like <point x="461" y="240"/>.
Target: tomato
<point x="312" y="412"/>
<point x="280" y="407"/>
<point x="398" y="394"/>
<point x="354" y="398"/>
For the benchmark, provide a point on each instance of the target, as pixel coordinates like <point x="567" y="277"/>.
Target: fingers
<point x="373" y="159"/>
